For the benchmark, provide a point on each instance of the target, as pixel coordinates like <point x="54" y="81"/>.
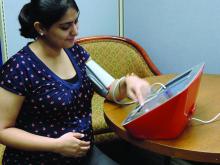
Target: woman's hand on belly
<point x="70" y="145"/>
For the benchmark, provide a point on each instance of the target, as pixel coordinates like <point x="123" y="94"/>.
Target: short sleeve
<point x="13" y="75"/>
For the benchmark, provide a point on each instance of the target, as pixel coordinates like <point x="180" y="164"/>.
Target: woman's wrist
<point x="55" y="145"/>
<point x="122" y="86"/>
<point x="116" y="89"/>
<point x="119" y="89"/>
<point x="50" y="145"/>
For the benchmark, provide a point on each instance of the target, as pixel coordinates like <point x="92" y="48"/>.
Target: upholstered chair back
<point x="2" y="148"/>
<point x="118" y="56"/>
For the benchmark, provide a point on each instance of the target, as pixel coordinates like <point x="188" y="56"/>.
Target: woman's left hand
<point x="137" y="88"/>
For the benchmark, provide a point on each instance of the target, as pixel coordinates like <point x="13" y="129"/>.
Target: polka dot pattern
<point x="52" y="106"/>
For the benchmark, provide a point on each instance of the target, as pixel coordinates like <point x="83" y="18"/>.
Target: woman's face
<point x="62" y="34"/>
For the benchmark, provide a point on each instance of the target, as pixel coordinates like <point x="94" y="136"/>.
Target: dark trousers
<point x="97" y="157"/>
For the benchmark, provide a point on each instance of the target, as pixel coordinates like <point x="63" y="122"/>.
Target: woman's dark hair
<point x="47" y="12"/>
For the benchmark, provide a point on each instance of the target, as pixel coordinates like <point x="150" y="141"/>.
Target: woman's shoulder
<point x="14" y="72"/>
<point x="18" y="61"/>
<point x="78" y="48"/>
<point x="79" y="52"/>
<point x="20" y="57"/>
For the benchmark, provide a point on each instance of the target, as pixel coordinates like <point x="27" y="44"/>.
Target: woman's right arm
<point x="13" y="137"/>
<point x="10" y="105"/>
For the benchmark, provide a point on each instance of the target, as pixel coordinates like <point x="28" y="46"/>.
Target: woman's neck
<point x="40" y="47"/>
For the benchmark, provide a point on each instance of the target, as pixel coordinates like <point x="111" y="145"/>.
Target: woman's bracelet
<point x="117" y="84"/>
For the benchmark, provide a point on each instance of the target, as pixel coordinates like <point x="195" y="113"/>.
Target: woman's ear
<point x="39" y="28"/>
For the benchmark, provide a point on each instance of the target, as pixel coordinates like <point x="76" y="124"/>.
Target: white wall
<point x="176" y="34"/>
<point x="97" y="17"/>
<point x="14" y="41"/>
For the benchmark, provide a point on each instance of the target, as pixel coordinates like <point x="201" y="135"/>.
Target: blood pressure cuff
<point x="100" y="78"/>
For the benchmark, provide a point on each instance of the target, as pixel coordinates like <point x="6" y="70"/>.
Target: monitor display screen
<point x="172" y="88"/>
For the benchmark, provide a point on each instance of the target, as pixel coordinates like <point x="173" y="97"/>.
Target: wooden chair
<point x="118" y="56"/>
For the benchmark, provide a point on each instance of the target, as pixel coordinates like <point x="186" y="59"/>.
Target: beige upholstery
<point x="118" y="56"/>
<point x="2" y="148"/>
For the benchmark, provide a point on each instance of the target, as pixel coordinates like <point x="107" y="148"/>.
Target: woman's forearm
<point x="118" y="88"/>
<point x="19" y="139"/>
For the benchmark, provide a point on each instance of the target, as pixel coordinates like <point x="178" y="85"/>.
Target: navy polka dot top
<point x="52" y="106"/>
